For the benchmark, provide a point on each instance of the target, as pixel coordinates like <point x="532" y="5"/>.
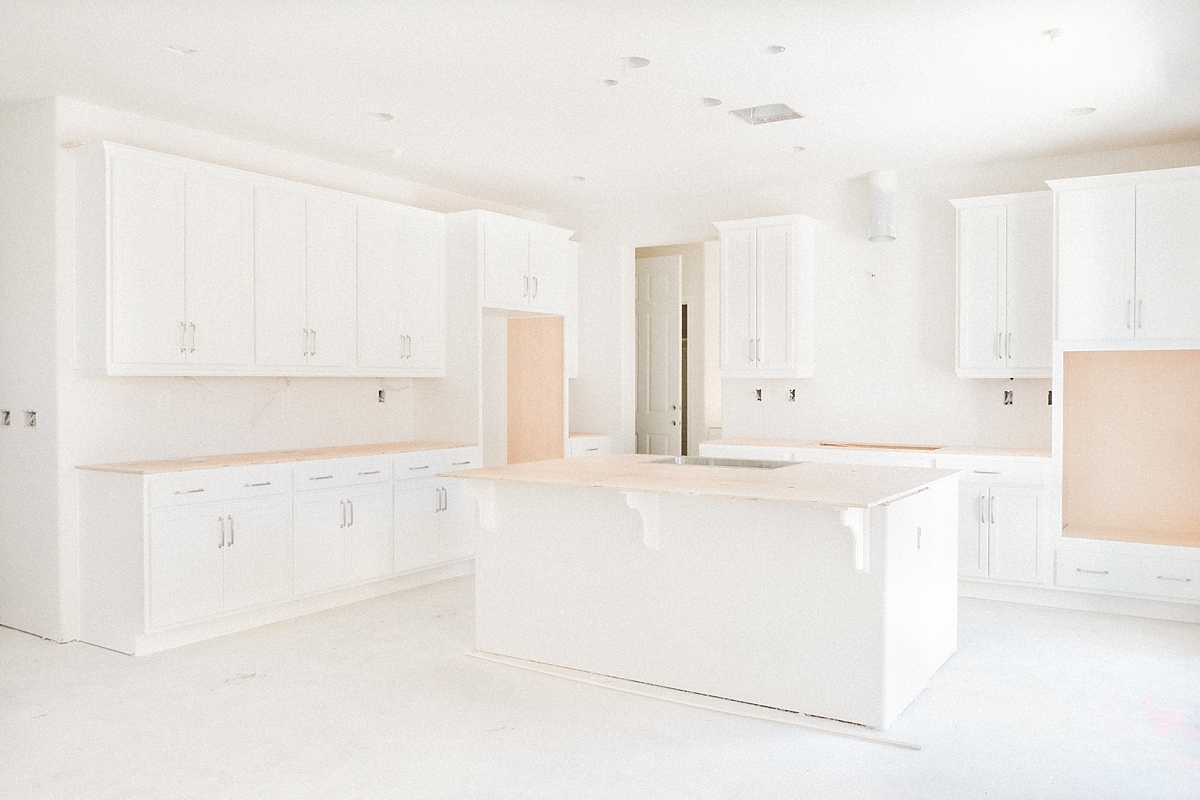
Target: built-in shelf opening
<point x="1131" y="446"/>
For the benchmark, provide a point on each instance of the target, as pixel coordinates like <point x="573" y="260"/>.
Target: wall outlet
<point x="31" y="419"/>
<point x="1008" y="397"/>
<point x="5" y="418"/>
<point x="382" y="394"/>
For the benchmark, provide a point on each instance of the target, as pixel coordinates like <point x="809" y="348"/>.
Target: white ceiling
<point x="503" y="100"/>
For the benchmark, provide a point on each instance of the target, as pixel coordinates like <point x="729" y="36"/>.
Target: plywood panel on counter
<point x="1131" y="444"/>
<point x="535" y="389"/>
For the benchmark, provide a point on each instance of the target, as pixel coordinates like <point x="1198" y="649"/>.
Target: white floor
<point x="379" y="700"/>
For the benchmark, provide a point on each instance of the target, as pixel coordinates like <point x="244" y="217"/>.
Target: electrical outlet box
<point x="1008" y="397"/>
<point x="31" y="419"/>
<point x="381" y="395"/>
<point x="5" y="418"/>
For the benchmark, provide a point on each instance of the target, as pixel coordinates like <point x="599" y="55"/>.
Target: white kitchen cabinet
<point x="435" y="520"/>
<point x="571" y="319"/>
<point x="1127" y="264"/>
<point x="587" y="444"/>
<point x="401" y="291"/>
<point x="523" y="264"/>
<point x="767" y="297"/>
<point x="164" y="265"/>
<point x="304" y="262"/>
<point x="1005" y="286"/>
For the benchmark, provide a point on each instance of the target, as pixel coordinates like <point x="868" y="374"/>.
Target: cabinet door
<point x="280" y="299"/>
<point x="739" y="301"/>
<point x="369" y="533"/>
<point x="776" y="296"/>
<point x="147" y="267"/>
<point x="423" y="261"/>
<point x="1168" y="260"/>
<point x="972" y="532"/>
<point x="548" y="274"/>
<point x="457" y="523"/>
<point x="1013" y="539"/>
<point x="187" y="547"/>
<point x="505" y="263"/>
<point x="416" y="539"/>
<point x="331" y="283"/>
<point x="1095" y="263"/>
<point x="981" y="285"/>
<point x="258" y="552"/>
<point x="319" y="545"/>
<point x="219" y="248"/>
<point x="1029" y="288"/>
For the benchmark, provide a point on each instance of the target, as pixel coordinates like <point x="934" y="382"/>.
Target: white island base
<point x="835" y="610"/>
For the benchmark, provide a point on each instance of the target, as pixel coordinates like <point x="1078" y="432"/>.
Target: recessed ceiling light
<point x="1082" y="111"/>
<point x="774" y="49"/>
<point x="379" y="116"/>
<point x="635" y="62"/>
<point x="1053" y="33"/>
<point x="609" y="82"/>
<point x="181" y="51"/>
<point x="708" y="102"/>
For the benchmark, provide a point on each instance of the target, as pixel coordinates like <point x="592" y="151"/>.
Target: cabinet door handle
<point x="752" y="350"/>
<point x="535" y="285"/>
<point x="343" y="502"/>
<point x="590" y="449"/>
<point x="983" y="508"/>
<point x="253" y="485"/>
<point x="424" y="466"/>
<point x="1139" y="314"/>
<point x="445" y="503"/>
<point x="1128" y="313"/>
<point x="1170" y="578"/>
<point x="1008" y="346"/>
<point x="372" y="472"/>
<point x="192" y="327"/>
<point x="351" y="504"/>
<point x="525" y="293"/>
<point x="999" y="346"/>
<point x="221" y="522"/>
<point x="188" y="491"/>
<point x="992" y="509"/>
<point x="459" y="463"/>
<point x="320" y="478"/>
<point x="231" y="531"/>
<point x="408" y="345"/>
<point x="1091" y="571"/>
<point x="758" y="349"/>
<point x="986" y="471"/>
<point x="305" y="341"/>
<point x="183" y="337"/>
<point x="314" y="342"/>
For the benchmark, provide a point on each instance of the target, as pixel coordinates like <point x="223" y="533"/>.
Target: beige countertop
<point x="846" y="485"/>
<point x="272" y="457"/>
<point x="933" y="450"/>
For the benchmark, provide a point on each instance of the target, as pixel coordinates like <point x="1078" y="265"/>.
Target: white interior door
<point x="659" y="343"/>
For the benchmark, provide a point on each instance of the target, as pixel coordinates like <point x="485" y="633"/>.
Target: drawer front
<point x="428" y="463"/>
<point x="1126" y="574"/>
<point x="849" y="455"/>
<point x="341" y="472"/>
<point x="587" y="445"/>
<point x="1025" y="473"/>
<point x="217" y="485"/>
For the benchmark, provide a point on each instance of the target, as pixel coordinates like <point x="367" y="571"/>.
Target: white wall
<point x="29" y="560"/>
<point x="884" y="350"/>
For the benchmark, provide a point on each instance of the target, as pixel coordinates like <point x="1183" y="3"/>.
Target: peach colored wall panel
<point x="535" y="389"/>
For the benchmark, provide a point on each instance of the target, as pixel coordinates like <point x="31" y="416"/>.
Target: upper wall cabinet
<point x="1128" y="258"/>
<point x="1005" y="286"/>
<point x="184" y="268"/>
<point x="401" y="289"/>
<point x="767" y="297"/>
<point x="525" y="265"/>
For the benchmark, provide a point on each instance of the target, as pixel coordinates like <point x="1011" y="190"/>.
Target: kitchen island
<point x="825" y="589"/>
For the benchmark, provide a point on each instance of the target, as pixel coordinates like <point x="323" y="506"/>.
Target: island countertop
<point x="844" y="485"/>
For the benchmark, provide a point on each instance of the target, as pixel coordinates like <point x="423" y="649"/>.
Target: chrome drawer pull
<point x="459" y="463"/>
<point x="591" y="449"/>
<point x="1177" y="580"/>
<point x="188" y="491"/>
<point x="1092" y="571"/>
<point x="252" y="485"/>
<point x="321" y="478"/>
<point x="424" y="467"/>
<point x="372" y="472"/>
<point x="986" y="472"/>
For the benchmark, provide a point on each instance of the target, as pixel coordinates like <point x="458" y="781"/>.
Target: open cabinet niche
<point x="1131" y="446"/>
<point x="524" y="388"/>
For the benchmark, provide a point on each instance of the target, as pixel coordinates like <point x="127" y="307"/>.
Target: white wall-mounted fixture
<point x="882" y="226"/>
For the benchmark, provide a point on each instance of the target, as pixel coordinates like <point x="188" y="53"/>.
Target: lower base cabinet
<point x="998" y="533"/>
<point x="342" y="537"/>
<point x="434" y="521"/>
<point x="209" y="559"/>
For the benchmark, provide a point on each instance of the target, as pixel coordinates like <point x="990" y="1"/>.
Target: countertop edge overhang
<point x="270" y="457"/>
<point x="934" y="451"/>
<point x="840" y="485"/>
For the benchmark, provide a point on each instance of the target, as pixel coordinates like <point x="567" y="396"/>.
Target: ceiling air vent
<point x="759" y="115"/>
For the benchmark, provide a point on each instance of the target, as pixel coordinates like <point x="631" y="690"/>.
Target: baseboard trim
<point x="1080" y="601"/>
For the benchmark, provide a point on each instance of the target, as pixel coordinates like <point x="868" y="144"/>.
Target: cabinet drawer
<point x="213" y="485"/>
<point x="428" y="463"/>
<point x="1025" y="473"/>
<point x="1116" y="572"/>
<point x="341" y="472"/>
